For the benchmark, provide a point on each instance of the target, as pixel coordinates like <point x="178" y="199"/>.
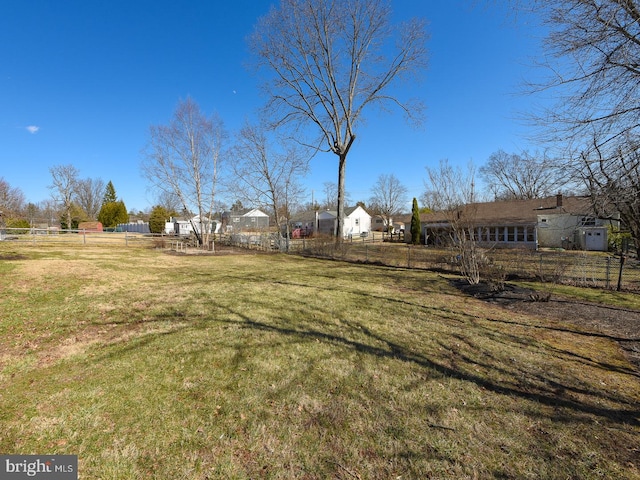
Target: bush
<point x="113" y="213"/>
<point x="20" y="223"/>
<point x="157" y="219"/>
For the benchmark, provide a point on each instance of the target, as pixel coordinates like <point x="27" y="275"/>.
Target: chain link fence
<point x="592" y="269"/>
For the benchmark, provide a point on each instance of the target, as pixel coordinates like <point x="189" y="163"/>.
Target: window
<point x="588" y="221"/>
<point x="511" y="234"/>
<point x="530" y="235"/>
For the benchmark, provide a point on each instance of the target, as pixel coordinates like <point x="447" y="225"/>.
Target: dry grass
<point x="148" y="365"/>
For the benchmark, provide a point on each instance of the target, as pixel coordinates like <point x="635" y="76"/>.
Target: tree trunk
<point x="342" y="163"/>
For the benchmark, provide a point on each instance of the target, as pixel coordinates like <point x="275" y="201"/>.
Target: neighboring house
<point x="304" y="224"/>
<point x="356" y="222"/>
<point x="185" y="227"/>
<point x="87" y="227"/>
<point x="379" y="224"/>
<point x="245" y="220"/>
<point x="552" y="222"/>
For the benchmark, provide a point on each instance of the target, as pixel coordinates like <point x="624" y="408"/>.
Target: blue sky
<point x="81" y="81"/>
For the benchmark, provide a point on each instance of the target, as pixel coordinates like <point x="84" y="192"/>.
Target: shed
<point x="86" y="227"/>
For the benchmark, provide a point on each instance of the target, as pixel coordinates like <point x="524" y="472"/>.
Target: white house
<point x="356" y="222"/>
<point x="184" y="227"/>
<point x="552" y="222"/>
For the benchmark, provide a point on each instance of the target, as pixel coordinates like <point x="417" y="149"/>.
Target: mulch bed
<point x="620" y="324"/>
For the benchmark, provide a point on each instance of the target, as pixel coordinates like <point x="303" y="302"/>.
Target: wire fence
<point x="49" y="236"/>
<point x="592" y="269"/>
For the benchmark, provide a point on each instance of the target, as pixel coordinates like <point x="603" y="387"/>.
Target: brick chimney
<point x="559" y="200"/>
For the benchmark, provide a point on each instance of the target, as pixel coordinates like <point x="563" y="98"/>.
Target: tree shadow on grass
<point x="356" y="336"/>
<point x="393" y="350"/>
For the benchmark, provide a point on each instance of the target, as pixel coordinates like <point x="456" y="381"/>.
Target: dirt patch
<point x="12" y="256"/>
<point x="620" y="324"/>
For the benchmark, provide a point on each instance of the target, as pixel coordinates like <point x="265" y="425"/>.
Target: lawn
<point x="149" y="365"/>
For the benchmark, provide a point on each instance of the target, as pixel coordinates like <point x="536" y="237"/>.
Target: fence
<point x="44" y="236"/>
<point x="572" y="268"/>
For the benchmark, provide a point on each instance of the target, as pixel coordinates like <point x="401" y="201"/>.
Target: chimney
<point x="559" y="200"/>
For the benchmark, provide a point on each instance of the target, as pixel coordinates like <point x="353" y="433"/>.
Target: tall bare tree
<point x="594" y="47"/>
<point x="183" y="159"/>
<point x="594" y="51"/>
<point x="451" y="190"/>
<point x="613" y="182"/>
<point x="88" y="195"/>
<point x="389" y="198"/>
<point x="331" y="59"/>
<point x="168" y="201"/>
<point x="267" y="176"/>
<point x="330" y="202"/>
<point x="11" y="199"/>
<point x="522" y="176"/>
<point x="63" y="188"/>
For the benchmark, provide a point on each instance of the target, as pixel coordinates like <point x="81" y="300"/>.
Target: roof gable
<point x="255" y="213"/>
<point x="357" y="209"/>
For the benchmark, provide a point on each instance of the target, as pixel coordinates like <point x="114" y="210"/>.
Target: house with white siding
<point x="357" y="222"/>
<point x="552" y="222"/>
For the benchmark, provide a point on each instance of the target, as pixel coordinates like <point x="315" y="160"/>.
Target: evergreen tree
<point x="158" y="217"/>
<point x="109" y="194"/>
<point x="415" y="223"/>
<point x="113" y="213"/>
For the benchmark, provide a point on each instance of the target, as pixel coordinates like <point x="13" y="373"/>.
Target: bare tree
<point x="11" y="199"/>
<point x="183" y="159"/>
<point x="169" y="201"/>
<point x="451" y="190"/>
<point x="65" y="180"/>
<point x="330" y="202"/>
<point x="389" y="197"/>
<point x="594" y="46"/>
<point x="330" y="60"/>
<point x="613" y="182"/>
<point x="50" y="211"/>
<point x="88" y="195"/>
<point x="266" y="176"/>
<point x="522" y="176"/>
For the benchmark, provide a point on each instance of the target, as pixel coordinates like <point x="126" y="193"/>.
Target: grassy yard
<point x="148" y="365"/>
